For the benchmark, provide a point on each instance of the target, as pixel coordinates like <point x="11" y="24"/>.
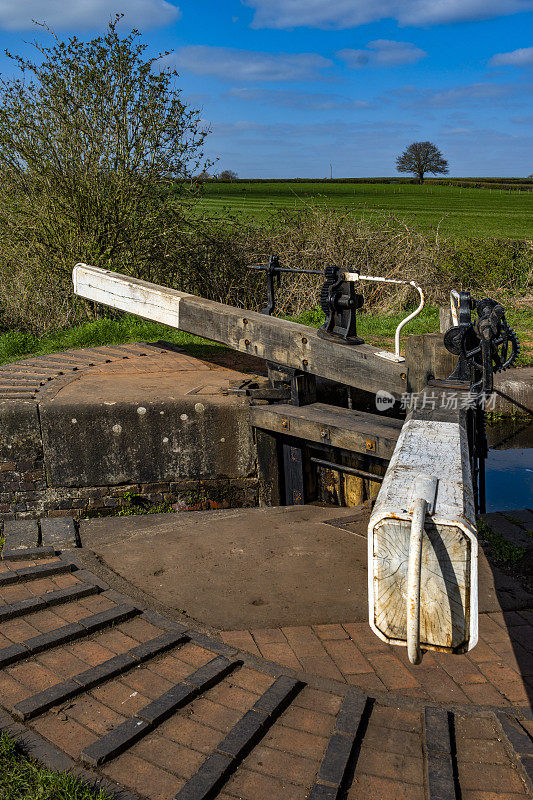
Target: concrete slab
<point x="242" y="567"/>
<point x="140" y="380"/>
<point x="261" y="567"/>
<point x="59" y="532"/>
<point x="21" y="534"/>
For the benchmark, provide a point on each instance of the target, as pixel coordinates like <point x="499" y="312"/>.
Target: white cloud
<point x="351" y="13"/>
<point x="248" y="65"/>
<point x="79" y="14"/>
<point x="516" y="58"/>
<point x="470" y="95"/>
<point x="473" y="94"/>
<point x="307" y="134"/>
<point x="312" y="101"/>
<point x="456" y="131"/>
<point x="382" y="53"/>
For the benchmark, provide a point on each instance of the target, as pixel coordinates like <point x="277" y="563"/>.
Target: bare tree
<point x="228" y="175"/>
<point x="422" y="157"/>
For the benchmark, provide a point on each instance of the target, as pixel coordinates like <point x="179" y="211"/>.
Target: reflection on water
<point x="509" y="466"/>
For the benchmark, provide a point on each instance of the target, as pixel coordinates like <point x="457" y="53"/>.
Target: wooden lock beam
<point x="433" y="444"/>
<point x="284" y="342"/>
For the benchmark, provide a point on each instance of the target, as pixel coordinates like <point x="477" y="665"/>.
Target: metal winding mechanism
<point x="273" y="272"/>
<point x="339" y="302"/>
<point x="484" y="346"/>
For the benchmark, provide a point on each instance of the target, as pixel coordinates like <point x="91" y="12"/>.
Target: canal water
<point x="509" y="466"/>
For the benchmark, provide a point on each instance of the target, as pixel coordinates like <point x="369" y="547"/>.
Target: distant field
<point x="461" y="211"/>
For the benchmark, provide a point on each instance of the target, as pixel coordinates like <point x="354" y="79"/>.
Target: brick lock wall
<point x="22" y="484"/>
<point x="24" y="494"/>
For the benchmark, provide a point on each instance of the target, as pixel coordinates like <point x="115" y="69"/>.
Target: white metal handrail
<point x="356" y="276"/>
<point x="424" y="495"/>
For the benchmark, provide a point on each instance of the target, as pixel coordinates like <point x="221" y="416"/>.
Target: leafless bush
<point x="375" y="245"/>
<point x="215" y="260"/>
<point x="209" y="257"/>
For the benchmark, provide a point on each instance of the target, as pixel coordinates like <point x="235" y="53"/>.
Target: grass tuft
<point x="503" y="550"/>
<point x="21" y="779"/>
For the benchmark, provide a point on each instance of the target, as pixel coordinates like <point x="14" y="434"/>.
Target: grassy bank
<point x="460" y="211"/>
<point x="377" y="329"/>
<point x="15" y="345"/>
<point x="21" y="779"/>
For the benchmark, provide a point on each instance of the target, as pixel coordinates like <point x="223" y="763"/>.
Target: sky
<point x="309" y="88"/>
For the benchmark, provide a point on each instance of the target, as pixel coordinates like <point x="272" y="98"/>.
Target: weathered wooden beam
<point x="432" y="443"/>
<point x="268" y="468"/>
<point x="426" y="358"/>
<point x="287" y="343"/>
<point x="356" y="431"/>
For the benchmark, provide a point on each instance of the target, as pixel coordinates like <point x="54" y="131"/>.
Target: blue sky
<point x="292" y="86"/>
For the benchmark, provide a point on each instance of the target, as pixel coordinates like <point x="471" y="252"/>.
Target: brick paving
<point x="389" y="756"/>
<point x="497" y="672"/>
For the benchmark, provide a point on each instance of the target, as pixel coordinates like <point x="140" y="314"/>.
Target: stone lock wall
<point x="68" y="452"/>
<point x="53" y="463"/>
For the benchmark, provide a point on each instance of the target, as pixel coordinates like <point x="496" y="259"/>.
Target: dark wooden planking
<point x="357" y="431"/>
<point x="293" y="471"/>
<point x="268" y="468"/>
<point x="427" y="359"/>
<point x="287" y="343"/>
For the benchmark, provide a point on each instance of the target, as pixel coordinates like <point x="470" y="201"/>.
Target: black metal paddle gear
<point x="339" y="302"/>
<point x="484" y="346"/>
<point x="273" y="271"/>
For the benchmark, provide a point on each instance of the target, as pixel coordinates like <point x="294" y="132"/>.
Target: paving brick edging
<point x="35" y="747"/>
<point x="215" y="641"/>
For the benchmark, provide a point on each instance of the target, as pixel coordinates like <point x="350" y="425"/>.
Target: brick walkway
<point x="93" y="682"/>
<point x="497" y="672"/>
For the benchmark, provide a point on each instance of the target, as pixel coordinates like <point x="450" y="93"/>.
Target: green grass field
<point x="461" y="211"/>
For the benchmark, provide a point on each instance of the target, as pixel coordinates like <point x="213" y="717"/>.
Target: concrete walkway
<point x="242" y="568"/>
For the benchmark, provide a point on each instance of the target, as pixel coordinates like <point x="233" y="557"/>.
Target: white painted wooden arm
<point x="438" y="554"/>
